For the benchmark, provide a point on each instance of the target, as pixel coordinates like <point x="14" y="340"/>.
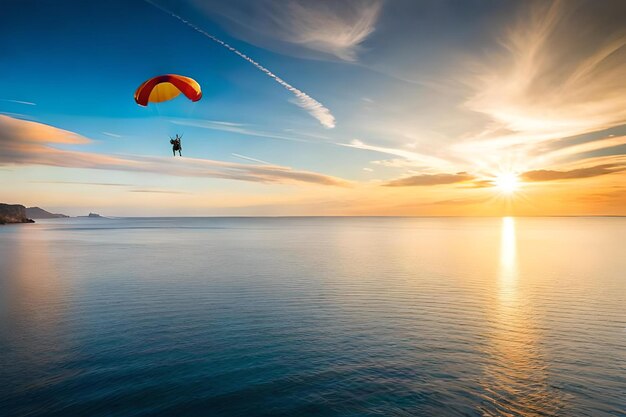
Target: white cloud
<point x="413" y="157"/>
<point x="323" y="27"/>
<point x="559" y="73"/>
<point x="335" y="28"/>
<point x="394" y="163"/>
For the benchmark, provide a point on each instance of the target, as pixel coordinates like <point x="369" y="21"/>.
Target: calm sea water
<point x="314" y="317"/>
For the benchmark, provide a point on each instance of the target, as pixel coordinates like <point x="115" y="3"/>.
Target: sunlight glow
<point x="507" y="182"/>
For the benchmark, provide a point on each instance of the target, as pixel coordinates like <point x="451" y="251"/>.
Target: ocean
<point x="313" y="317"/>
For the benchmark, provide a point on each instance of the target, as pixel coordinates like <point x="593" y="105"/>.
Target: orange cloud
<point x="551" y="175"/>
<point x="430" y="179"/>
<point x="30" y="143"/>
<point x="34" y="132"/>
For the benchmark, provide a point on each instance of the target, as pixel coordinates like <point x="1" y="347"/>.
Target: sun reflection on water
<point x="508" y="253"/>
<point x="516" y="378"/>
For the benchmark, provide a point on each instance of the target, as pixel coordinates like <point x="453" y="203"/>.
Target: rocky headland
<point x="13" y="213"/>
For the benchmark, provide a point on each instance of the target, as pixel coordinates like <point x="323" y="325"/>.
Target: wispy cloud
<point x="233" y="128"/>
<point x="13" y="114"/>
<point x="415" y="157"/>
<point x="104" y="184"/>
<point x="113" y="135"/>
<point x="430" y="179"/>
<point x="593" y="171"/>
<point x="394" y="163"/>
<point x="147" y="191"/>
<point x="566" y="150"/>
<point x="314" y="107"/>
<point x="249" y="158"/>
<point x="559" y="73"/>
<point x="27" y="103"/>
<point x="223" y="123"/>
<point x="30" y="143"/>
<point x="335" y="28"/>
<point x="306" y="134"/>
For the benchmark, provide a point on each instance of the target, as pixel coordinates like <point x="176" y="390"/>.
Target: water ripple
<point x="310" y="316"/>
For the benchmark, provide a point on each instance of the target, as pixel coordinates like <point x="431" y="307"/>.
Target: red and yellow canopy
<point x="166" y="87"/>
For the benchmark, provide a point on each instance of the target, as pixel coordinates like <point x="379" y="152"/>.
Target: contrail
<point x="314" y="107"/>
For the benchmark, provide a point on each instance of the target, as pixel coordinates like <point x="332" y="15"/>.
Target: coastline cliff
<point x="13" y="213"/>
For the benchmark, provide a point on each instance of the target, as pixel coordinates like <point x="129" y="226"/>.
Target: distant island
<point x="13" y="213"/>
<point x="39" y="213"/>
<point x="93" y="215"/>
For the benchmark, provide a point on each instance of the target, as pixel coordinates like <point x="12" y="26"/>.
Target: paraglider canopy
<point x="166" y="87"/>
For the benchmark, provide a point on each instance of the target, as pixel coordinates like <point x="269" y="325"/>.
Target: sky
<point x="368" y="107"/>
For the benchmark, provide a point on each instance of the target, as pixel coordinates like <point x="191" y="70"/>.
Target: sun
<point x="507" y="183"/>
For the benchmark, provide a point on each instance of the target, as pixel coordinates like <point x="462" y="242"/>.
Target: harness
<point x="176" y="144"/>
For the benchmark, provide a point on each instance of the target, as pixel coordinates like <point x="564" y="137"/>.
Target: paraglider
<point x="164" y="88"/>
<point x="176" y="146"/>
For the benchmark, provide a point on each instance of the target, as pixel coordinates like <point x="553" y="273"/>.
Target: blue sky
<point x="406" y="107"/>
